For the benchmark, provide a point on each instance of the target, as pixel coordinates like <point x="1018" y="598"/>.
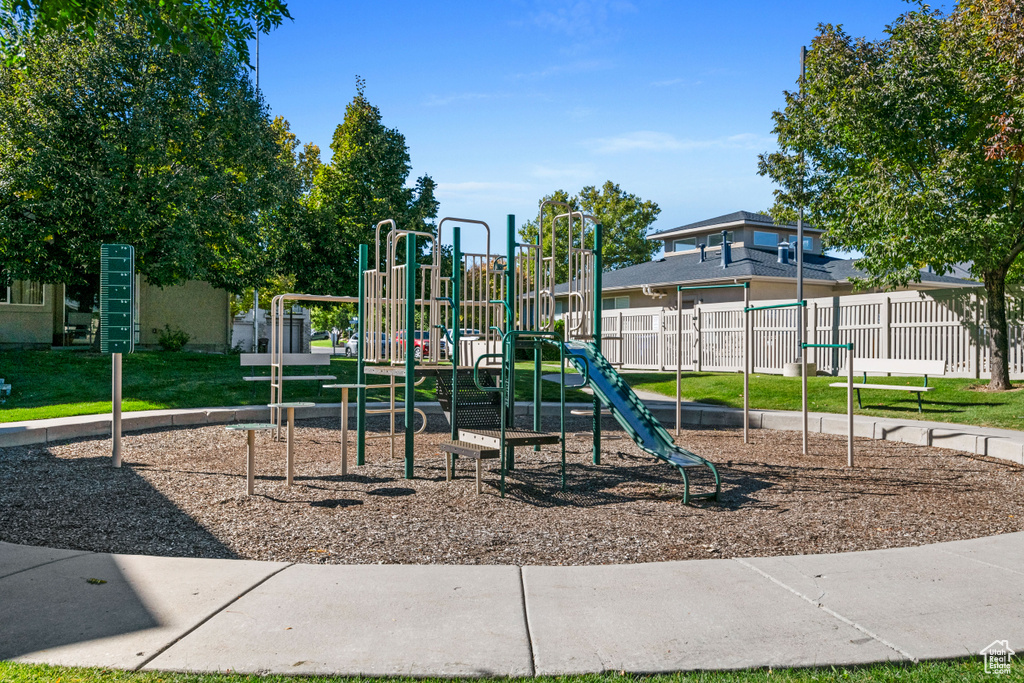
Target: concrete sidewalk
<point x="939" y="601"/>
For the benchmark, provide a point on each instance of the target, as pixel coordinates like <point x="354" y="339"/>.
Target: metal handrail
<point x="802" y="302"/>
<point x="476" y="370"/>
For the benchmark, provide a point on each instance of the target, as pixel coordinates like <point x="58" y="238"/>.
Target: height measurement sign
<point x="117" y="298"/>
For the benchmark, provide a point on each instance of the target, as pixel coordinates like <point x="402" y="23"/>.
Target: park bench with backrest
<point x="313" y="360"/>
<point x="882" y="366"/>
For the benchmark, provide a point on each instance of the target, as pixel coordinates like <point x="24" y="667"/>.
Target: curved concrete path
<point x="939" y="601"/>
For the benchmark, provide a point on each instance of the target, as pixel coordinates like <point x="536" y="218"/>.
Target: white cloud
<point x="444" y="100"/>
<point x="675" y="81"/>
<point x="654" y="141"/>
<point x="572" y="173"/>
<point x="576" y="67"/>
<point x="580" y="18"/>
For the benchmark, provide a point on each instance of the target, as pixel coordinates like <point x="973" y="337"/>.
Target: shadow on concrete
<point x="86" y="598"/>
<point x="53" y="603"/>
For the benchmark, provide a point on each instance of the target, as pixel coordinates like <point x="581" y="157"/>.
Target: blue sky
<point x="504" y="102"/>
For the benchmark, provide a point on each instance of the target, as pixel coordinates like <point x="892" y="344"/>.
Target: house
<point x="35" y="315"/>
<point x="759" y="251"/>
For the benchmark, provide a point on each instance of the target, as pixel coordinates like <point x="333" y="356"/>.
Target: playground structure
<point x="747" y="356"/>
<point x="411" y="323"/>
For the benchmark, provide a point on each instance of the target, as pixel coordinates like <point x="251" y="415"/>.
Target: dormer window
<point x="685" y="244"/>
<point x="808" y="244"/>
<point x="766" y="239"/>
<point x="715" y="239"/>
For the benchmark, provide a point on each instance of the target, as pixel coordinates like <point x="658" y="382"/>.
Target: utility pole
<point x="800" y="229"/>
<point x="256" y="292"/>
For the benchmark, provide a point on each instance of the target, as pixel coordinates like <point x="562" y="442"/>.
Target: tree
<point x="364" y="183"/>
<point x="625" y="221"/>
<point x="893" y="135"/>
<point x="1002" y="21"/>
<point x="178" y="24"/>
<point x="114" y="140"/>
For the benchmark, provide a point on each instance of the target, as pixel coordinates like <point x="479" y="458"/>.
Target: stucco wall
<point x="198" y="308"/>
<point x="23" y="326"/>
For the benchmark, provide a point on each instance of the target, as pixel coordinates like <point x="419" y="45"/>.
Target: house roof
<point x="747" y="263"/>
<point x="728" y="219"/>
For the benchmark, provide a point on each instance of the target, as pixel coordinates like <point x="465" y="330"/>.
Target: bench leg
<point x="858" y="400"/>
<point x="479" y="476"/>
<point x="250" y="462"/>
<point x="919" y="403"/>
<point x="448" y="466"/>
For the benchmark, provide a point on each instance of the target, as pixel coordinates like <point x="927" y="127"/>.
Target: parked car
<point x="420" y="344"/>
<point x="319" y="334"/>
<point x="351" y="347"/>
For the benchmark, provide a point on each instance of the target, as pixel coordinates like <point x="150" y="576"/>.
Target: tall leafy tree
<point x="893" y="134"/>
<point x="625" y="221"/>
<point x="364" y="183"/>
<point x="115" y="140"/>
<point x="179" y="24"/>
<point x="1002" y="21"/>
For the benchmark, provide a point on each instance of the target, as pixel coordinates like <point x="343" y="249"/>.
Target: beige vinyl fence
<point x="913" y="325"/>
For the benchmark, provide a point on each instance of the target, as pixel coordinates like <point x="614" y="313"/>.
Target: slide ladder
<point x="634" y="416"/>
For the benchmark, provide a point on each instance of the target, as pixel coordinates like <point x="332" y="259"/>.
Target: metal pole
<point x="598" y="247"/>
<point x="679" y="358"/>
<point x="746" y="365"/>
<point x="456" y="324"/>
<point x="510" y="325"/>
<point x="803" y="381"/>
<point x="849" y="406"/>
<point x="800" y="236"/>
<point x="410" y="344"/>
<point x="116" y="408"/>
<point x="361" y="347"/>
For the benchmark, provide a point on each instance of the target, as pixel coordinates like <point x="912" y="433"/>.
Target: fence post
<point x="698" y="360"/>
<point x="618" y="329"/>
<point x="976" y="338"/>
<point x="660" y="329"/>
<point x="886" y="332"/>
<point x="812" y="312"/>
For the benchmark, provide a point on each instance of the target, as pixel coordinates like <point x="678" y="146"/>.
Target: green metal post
<point x="410" y="345"/>
<point x="364" y="256"/>
<point x="456" y="323"/>
<point x="510" y="324"/>
<point x="598" y="246"/>
<point x="538" y="353"/>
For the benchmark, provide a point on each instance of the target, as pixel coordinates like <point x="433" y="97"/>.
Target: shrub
<point x="173" y="340"/>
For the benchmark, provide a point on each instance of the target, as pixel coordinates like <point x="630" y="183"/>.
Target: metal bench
<point x="880" y="366"/>
<point x="313" y="360"/>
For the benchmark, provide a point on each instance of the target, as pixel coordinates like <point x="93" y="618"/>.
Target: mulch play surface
<point x="182" y="493"/>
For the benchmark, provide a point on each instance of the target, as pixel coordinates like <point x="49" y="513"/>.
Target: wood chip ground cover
<point x="182" y="493"/>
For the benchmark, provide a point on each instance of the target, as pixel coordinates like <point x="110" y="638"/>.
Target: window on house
<point x="613" y="302"/>
<point x="559" y="307"/>
<point x="766" y="239"/>
<point x="685" y="244"/>
<point x="808" y="243"/>
<point x="715" y="238"/>
<point x="23" y="292"/>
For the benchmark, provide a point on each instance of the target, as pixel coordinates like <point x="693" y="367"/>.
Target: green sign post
<point x="117" y="322"/>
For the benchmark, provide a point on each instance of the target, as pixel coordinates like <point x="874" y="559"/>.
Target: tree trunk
<point x="998" y="343"/>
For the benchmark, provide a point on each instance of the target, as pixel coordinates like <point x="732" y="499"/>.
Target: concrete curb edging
<point x="1002" y="444"/>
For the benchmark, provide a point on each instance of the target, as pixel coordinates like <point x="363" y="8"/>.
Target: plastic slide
<point x="633" y="415"/>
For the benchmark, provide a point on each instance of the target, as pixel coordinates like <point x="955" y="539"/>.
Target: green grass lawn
<point x="957" y="400"/>
<point x="965" y="670"/>
<point x="63" y="383"/>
